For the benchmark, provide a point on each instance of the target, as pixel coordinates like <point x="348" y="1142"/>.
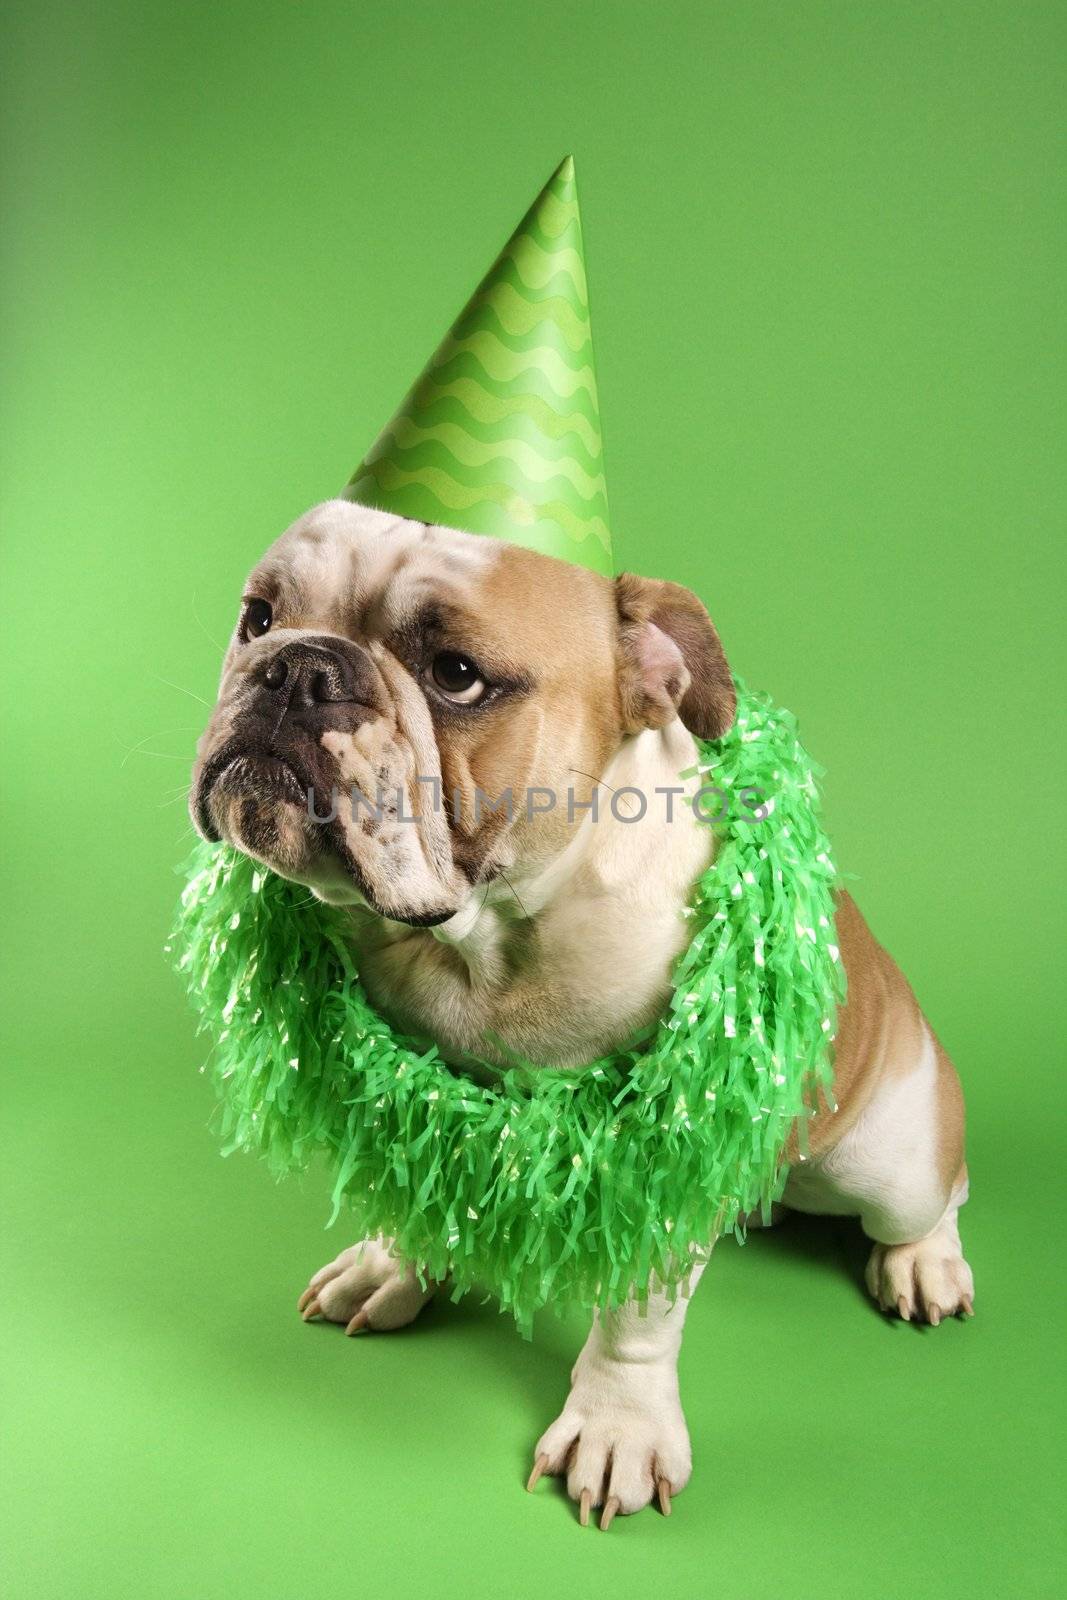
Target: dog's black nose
<point x="312" y="675"/>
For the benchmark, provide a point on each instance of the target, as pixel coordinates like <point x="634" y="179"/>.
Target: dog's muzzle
<point x="297" y="692"/>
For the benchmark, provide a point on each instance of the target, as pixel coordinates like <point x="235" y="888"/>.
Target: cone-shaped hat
<point x="501" y="434"/>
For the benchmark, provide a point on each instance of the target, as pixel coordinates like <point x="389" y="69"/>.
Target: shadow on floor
<point x="829" y="1244"/>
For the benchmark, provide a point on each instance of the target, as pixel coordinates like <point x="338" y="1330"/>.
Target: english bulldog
<point x="383" y="673"/>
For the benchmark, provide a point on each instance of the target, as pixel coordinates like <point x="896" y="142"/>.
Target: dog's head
<point x="407" y="711"/>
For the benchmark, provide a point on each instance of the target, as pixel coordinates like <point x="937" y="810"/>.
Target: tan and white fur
<point x="547" y="933"/>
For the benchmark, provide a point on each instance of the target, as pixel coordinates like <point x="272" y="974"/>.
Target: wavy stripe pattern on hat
<point x="501" y="433"/>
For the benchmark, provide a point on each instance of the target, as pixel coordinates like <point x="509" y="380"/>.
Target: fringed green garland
<point x="572" y="1186"/>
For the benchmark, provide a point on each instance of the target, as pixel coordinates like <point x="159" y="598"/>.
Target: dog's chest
<point x="556" y="990"/>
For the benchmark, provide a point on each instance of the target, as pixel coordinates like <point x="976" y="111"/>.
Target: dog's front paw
<point x="621" y="1439"/>
<point x="365" y="1287"/>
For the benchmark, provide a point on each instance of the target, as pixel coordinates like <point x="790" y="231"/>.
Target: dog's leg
<point x="927" y="1280"/>
<point x="621" y="1438"/>
<point x="917" y="1267"/>
<point x="366" y="1287"/>
<point x="900" y="1168"/>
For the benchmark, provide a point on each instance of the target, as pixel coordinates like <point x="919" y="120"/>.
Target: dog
<point x="384" y="672"/>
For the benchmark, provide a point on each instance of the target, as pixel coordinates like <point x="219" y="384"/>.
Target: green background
<point x="826" y="251"/>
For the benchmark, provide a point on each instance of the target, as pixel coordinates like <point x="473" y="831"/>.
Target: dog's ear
<point x="671" y="662"/>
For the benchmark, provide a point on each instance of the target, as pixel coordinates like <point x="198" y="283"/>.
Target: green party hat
<point x="501" y="433"/>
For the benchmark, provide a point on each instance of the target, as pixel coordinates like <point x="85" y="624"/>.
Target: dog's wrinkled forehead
<point x="367" y="574"/>
<point x="347" y="568"/>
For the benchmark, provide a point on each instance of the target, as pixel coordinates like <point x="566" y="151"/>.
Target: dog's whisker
<point x="161" y="733"/>
<point x="162" y="755"/>
<point x="190" y="692"/>
<point x="200" y="624"/>
<point x="518" y="902"/>
<point x="596" y="782"/>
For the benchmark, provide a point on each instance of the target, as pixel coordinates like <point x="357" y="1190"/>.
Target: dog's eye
<point x="256" y="619"/>
<point x="457" y="678"/>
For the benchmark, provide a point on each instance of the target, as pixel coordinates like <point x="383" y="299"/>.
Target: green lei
<point x="576" y="1186"/>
